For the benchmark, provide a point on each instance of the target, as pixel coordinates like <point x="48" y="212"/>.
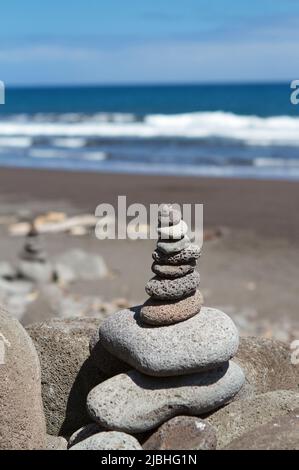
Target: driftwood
<point x="42" y="225"/>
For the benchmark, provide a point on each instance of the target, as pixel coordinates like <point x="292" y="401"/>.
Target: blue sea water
<point x="210" y="130"/>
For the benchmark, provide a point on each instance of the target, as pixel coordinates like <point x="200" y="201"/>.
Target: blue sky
<point x="138" y="41"/>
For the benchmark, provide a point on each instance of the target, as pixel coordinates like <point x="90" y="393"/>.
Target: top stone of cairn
<point x="173" y="291"/>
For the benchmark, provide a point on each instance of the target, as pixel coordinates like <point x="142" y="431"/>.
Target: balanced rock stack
<point x="172" y="355"/>
<point x="34" y="264"/>
<point x="173" y="291"/>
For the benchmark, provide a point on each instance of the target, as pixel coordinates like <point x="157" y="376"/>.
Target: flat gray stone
<point x="134" y="402"/>
<point x="169" y="271"/>
<point x="36" y="271"/>
<point x="243" y="416"/>
<point x="108" y="441"/>
<point x="170" y="247"/>
<point x="199" y="343"/>
<point x="189" y="254"/>
<point x="173" y="289"/>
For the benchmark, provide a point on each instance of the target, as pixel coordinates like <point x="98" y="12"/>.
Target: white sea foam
<point x="251" y="130"/>
<point x="15" y="142"/>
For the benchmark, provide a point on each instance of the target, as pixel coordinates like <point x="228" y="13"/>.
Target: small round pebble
<point x="173" y="289"/>
<point x="169" y="215"/>
<point x="159" y="312"/>
<point x="186" y="256"/>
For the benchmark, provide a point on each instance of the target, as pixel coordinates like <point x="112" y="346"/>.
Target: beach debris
<point x="178" y="352"/>
<point x="55" y="223"/>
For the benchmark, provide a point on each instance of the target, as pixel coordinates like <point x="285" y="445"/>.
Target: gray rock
<point x="183" y="433"/>
<point x="267" y="364"/>
<point x="103" y="360"/>
<point x="67" y="372"/>
<point x="134" y="402"/>
<point x="169" y="215"/>
<point x="108" y="441"/>
<point x="36" y="271"/>
<point x="56" y="443"/>
<point x="7" y="270"/>
<point x="199" y="343"/>
<point x="85" y="266"/>
<point x="173" y="289"/>
<point x="282" y="433"/>
<point x="188" y="255"/>
<point x="243" y="416"/>
<point x="174" y="232"/>
<point x="172" y="272"/>
<point x="21" y="411"/>
<point x="170" y="247"/>
<point x="83" y="433"/>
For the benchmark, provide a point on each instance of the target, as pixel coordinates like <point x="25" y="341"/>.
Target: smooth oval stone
<point x="189" y="254"/>
<point x="163" y="312"/>
<point x="199" y="343"/>
<point x="108" y="441"/>
<point x="134" y="402"/>
<point x="170" y="247"/>
<point x="174" y="232"/>
<point x="172" y="289"/>
<point x="172" y="272"/>
<point x="169" y="215"/>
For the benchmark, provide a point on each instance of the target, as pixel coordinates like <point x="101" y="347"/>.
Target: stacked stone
<point x="34" y="264"/>
<point x="171" y="356"/>
<point x="173" y="291"/>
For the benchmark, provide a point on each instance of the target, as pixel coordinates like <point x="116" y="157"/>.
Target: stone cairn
<point x="170" y="356"/>
<point x="34" y="264"/>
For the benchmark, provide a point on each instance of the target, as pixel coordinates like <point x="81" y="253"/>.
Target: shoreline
<point x="265" y="207"/>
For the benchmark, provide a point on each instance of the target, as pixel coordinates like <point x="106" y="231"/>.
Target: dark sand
<point x="252" y="272"/>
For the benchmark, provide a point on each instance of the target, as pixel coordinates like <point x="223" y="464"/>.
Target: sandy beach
<point x="250" y="260"/>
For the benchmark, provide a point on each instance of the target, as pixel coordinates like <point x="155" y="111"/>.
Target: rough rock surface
<point x="56" y="443"/>
<point x="170" y="247"/>
<point x="174" y="232"/>
<point x="267" y="364"/>
<point x="242" y="416"/>
<point x="67" y="372"/>
<point x="103" y="360"/>
<point x="201" y="342"/>
<point x="162" y="312"/>
<point x="134" y="402"/>
<point x="192" y="253"/>
<point x="22" y="421"/>
<point x="83" y="433"/>
<point x="282" y="433"/>
<point x="173" y="289"/>
<point x="183" y="433"/>
<point x="172" y="272"/>
<point x="108" y="441"/>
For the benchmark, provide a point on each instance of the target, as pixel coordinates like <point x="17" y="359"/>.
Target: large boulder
<point x="68" y="374"/>
<point x="242" y="416"/>
<point x="282" y="433"/>
<point x="22" y="421"/>
<point x="267" y="365"/>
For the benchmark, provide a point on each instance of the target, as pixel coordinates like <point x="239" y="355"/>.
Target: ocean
<point x="236" y="130"/>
